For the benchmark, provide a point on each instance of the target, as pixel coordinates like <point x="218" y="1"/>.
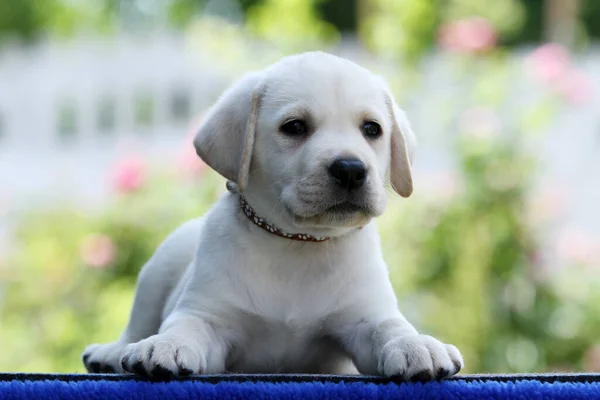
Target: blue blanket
<point x="74" y="387"/>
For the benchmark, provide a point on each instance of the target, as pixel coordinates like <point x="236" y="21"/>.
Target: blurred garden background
<point x="497" y="251"/>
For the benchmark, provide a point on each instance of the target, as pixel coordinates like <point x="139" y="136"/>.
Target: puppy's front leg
<point x="185" y="345"/>
<point x="394" y="348"/>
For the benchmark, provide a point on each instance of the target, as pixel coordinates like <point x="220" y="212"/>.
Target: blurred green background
<point x="483" y="255"/>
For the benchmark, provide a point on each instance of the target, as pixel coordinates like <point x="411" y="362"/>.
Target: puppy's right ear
<point x="402" y="143"/>
<point x="226" y="138"/>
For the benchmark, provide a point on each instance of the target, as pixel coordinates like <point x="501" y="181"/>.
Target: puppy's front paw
<point x="419" y="358"/>
<point x="163" y="356"/>
<point x="103" y="358"/>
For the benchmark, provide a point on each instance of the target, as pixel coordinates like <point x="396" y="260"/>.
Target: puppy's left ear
<point x="226" y="138"/>
<point x="403" y="145"/>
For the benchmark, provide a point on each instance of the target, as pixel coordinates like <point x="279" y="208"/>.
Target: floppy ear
<point x="403" y="144"/>
<point x="226" y="138"/>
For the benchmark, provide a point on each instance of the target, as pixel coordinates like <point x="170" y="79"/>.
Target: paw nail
<point x="138" y="368"/>
<point x="442" y="373"/>
<point x="457" y="366"/>
<point x="422" y="376"/>
<point x="161" y="372"/>
<point x="107" y="369"/>
<point x="94" y="367"/>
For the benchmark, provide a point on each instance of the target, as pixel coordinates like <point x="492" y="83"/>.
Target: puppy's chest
<point x="273" y="346"/>
<point x="284" y="302"/>
<point x="294" y="295"/>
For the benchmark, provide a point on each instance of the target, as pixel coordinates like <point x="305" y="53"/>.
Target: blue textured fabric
<point x="74" y="387"/>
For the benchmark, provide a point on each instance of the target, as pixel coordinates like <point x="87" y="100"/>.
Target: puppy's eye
<point x="371" y="129"/>
<point x="294" y="127"/>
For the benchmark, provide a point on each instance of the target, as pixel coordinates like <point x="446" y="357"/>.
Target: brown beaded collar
<point x="260" y="222"/>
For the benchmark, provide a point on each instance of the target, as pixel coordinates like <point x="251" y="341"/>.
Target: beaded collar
<point x="262" y="223"/>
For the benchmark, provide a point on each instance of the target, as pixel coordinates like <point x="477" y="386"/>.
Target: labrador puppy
<point x="285" y="273"/>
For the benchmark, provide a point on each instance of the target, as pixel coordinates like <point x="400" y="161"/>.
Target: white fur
<point x="221" y="294"/>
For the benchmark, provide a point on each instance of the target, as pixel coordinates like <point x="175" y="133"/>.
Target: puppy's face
<point x="323" y="142"/>
<point x="310" y="141"/>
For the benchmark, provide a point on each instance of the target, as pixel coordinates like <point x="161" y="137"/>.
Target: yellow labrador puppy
<point x="285" y="273"/>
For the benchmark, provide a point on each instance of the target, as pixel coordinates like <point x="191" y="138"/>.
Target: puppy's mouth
<point x="346" y="207"/>
<point x="342" y="210"/>
<point x="317" y="207"/>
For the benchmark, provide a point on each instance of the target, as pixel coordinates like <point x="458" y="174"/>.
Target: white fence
<point x="64" y="109"/>
<point x="81" y="92"/>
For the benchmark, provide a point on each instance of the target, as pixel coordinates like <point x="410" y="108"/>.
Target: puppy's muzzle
<point x="348" y="173"/>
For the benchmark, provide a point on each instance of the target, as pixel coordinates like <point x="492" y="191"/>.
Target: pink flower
<point x="574" y="87"/>
<point x="547" y="203"/>
<point x="551" y="65"/>
<point x="536" y="268"/>
<point x="469" y="35"/>
<point x="549" y="62"/>
<point x="480" y="122"/>
<point x="188" y="162"/>
<point x="576" y="247"/>
<point x="129" y="174"/>
<point x="97" y="250"/>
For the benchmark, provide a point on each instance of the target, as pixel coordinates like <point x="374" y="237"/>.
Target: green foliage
<point x="472" y="261"/>
<point x="18" y="18"/>
<point x="506" y="15"/>
<point x="407" y="27"/>
<point x="53" y="304"/>
<point x="28" y="19"/>
<point x="402" y="29"/>
<point x="290" y="25"/>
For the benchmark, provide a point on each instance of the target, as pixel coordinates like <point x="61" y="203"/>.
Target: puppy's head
<point x="310" y="141"/>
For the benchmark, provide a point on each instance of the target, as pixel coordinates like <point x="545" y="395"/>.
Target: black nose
<point x="349" y="173"/>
